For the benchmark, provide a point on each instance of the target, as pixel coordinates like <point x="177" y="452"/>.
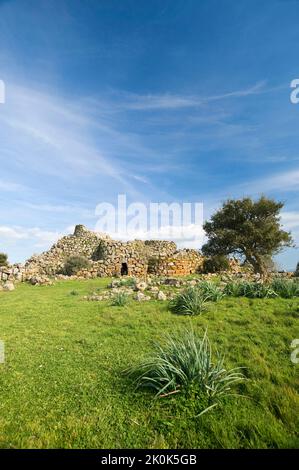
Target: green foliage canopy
<point x="3" y="259"/>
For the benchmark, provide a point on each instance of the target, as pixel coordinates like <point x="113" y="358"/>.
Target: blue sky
<point x="169" y="100"/>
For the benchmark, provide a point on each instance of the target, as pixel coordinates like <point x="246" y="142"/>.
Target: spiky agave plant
<point x="252" y="290"/>
<point x="285" y="288"/>
<point x="233" y="289"/>
<point x="211" y="291"/>
<point x="185" y="362"/>
<point x="257" y="290"/>
<point x="190" y="301"/>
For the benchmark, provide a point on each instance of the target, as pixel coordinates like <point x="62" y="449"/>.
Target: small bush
<point x="3" y="259"/>
<point x="211" y="291"/>
<point x="215" y="264"/>
<point x="189" y="302"/>
<point x="120" y="299"/>
<point x="183" y="363"/>
<point x="296" y="273"/>
<point x="73" y="264"/>
<point x="285" y="288"/>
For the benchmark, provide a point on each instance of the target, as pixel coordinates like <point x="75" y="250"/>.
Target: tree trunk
<point x="258" y="265"/>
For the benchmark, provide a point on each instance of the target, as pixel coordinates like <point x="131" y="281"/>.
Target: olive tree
<point x="248" y="229"/>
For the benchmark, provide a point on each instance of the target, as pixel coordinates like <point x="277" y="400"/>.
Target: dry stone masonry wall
<point x="180" y="263"/>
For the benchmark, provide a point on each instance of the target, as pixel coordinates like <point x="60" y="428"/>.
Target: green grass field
<point x="61" y="384"/>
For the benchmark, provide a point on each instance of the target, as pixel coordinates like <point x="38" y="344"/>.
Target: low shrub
<point x="73" y="264"/>
<point x="120" y="299"/>
<point x="296" y="273"/>
<point x="186" y="362"/>
<point x="215" y="264"/>
<point x="189" y="302"/>
<point x="3" y="259"/>
<point x="285" y="288"/>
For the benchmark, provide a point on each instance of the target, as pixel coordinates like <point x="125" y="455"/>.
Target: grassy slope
<point x="61" y="384"/>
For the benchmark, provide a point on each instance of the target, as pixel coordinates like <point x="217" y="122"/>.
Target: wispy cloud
<point x="54" y="125"/>
<point x="61" y="209"/>
<point x="11" y="186"/>
<point x="167" y="101"/>
<point x="283" y="182"/>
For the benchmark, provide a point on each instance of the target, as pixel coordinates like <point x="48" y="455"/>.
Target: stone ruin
<point x="109" y="257"/>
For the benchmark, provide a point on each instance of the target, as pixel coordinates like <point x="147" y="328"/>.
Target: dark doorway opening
<point x="124" y="269"/>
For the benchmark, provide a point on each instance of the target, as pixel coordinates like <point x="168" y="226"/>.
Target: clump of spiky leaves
<point x="211" y="291"/>
<point x="120" y="299"/>
<point x="285" y="288"/>
<point x="252" y="290"/>
<point x="190" y="301"/>
<point x="232" y="289"/>
<point x="185" y="363"/>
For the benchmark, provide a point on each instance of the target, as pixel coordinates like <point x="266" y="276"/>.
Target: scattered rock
<point x="141" y="286"/>
<point x="172" y="282"/>
<point x="161" y="296"/>
<point x="40" y="280"/>
<point x="9" y="286"/>
<point x="95" y="297"/>
<point x="140" y="297"/>
<point x="154" y="289"/>
<point x="114" y="284"/>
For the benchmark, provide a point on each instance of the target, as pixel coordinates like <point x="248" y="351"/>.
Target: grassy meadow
<point x="62" y="386"/>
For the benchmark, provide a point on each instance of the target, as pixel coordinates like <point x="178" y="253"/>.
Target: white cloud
<point x="290" y="222"/>
<point x="290" y="219"/>
<point x="34" y="234"/>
